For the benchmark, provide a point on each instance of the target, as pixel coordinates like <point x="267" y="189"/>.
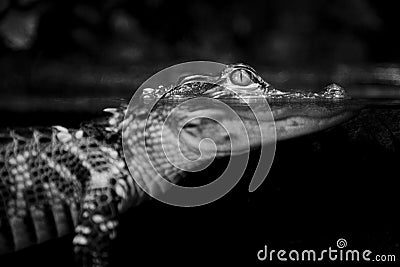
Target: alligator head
<point x="207" y="116"/>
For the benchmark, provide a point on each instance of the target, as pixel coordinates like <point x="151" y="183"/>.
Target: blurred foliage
<point x="279" y="33"/>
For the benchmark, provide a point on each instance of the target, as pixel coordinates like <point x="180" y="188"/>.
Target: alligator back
<point x="41" y="182"/>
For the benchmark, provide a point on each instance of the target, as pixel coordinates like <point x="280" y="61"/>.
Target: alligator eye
<point x="240" y="77"/>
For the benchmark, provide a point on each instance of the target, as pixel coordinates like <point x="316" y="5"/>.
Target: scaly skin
<point x="54" y="181"/>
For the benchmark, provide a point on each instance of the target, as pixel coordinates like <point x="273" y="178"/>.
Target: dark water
<point x="338" y="183"/>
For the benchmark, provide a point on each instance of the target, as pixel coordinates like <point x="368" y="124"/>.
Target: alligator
<point x="56" y="181"/>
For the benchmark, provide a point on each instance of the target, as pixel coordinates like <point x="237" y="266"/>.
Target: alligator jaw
<point x="260" y="128"/>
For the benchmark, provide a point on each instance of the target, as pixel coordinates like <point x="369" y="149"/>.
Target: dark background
<point x="274" y="33"/>
<point x="336" y="184"/>
<point x="69" y="48"/>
